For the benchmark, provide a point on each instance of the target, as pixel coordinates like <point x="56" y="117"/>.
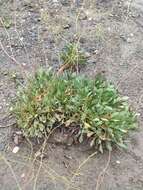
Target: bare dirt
<point x="111" y="34"/>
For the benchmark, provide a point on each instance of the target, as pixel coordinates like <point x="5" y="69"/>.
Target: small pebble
<point x="15" y="149"/>
<point x="18" y="132"/>
<point x="118" y="162"/>
<point x="87" y="54"/>
<point x="109" y="29"/>
<point x="67" y="26"/>
<point x="23" y="175"/>
<point x="70" y="141"/>
<point x="96" y="51"/>
<point x="131" y="34"/>
<point x="24" y="64"/>
<point x="129" y="40"/>
<point x="111" y="15"/>
<point x="11" y="109"/>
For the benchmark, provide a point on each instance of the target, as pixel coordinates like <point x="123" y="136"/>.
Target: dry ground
<point x="32" y="33"/>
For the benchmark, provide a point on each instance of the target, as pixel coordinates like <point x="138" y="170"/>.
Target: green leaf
<point x="122" y="145"/>
<point x="86" y="125"/>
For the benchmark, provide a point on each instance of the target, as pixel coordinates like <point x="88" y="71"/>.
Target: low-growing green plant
<point x="85" y="108"/>
<point x="72" y="57"/>
<point x="7" y="22"/>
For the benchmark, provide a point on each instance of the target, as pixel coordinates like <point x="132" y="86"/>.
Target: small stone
<point x="129" y="40"/>
<point x="111" y="15"/>
<point x="38" y="19"/>
<point x="109" y="29"/>
<point x="70" y="141"/>
<point x="87" y="12"/>
<point x="15" y="149"/>
<point x="67" y="26"/>
<point x="87" y="54"/>
<point x="5" y="73"/>
<point x="131" y="34"/>
<point x="118" y="162"/>
<point x="24" y="64"/>
<point x="22" y="175"/>
<point x="11" y="109"/>
<point x="18" y="132"/>
<point x="123" y="37"/>
<point x="96" y="51"/>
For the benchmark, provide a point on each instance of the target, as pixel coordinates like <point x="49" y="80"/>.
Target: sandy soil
<point x="111" y="34"/>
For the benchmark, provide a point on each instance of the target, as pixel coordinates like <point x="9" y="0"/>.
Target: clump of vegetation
<point x="85" y="108"/>
<point x="71" y="57"/>
<point x="7" y="22"/>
